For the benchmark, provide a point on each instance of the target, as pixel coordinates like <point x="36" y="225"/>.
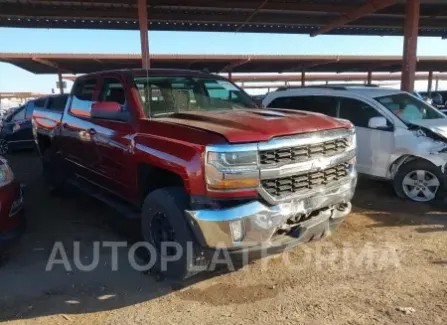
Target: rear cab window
<point x="57" y="103"/>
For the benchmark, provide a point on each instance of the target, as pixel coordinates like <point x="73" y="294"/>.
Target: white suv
<point x="399" y="137"/>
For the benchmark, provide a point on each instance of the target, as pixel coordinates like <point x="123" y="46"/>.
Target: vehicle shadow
<point x="377" y="200"/>
<point x="28" y="291"/>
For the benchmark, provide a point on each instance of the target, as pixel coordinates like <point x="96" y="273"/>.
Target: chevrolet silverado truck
<point x="196" y="159"/>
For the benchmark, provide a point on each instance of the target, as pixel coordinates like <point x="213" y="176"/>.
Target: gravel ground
<point x="387" y="264"/>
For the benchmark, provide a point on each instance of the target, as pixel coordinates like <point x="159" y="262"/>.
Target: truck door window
<point x="318" y="104"/>
<point x="358" y="112"/>
<point x="82" y="101"/>
<point x="113" y="91"/>
<point x="19" y="116"/>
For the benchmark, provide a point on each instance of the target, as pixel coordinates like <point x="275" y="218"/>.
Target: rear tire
<point x="419" y="181"/>
<point x="4" y="148"/>
<point x="52" y="172"/>
<point x="163" y="220"/>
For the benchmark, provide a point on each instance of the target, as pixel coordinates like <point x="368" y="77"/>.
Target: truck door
<point x="76" y="134"/>
<point x="113" y="163"/>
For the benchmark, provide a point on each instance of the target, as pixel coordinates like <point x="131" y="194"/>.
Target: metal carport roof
<point x="271" y="16"/>
<point x="41" y="63"/>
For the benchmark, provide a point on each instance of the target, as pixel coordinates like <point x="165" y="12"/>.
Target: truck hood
<point x="437" y="126"/>
<point x="253" y="125"/>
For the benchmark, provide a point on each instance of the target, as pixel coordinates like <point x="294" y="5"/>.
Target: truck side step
<point x="121" y="206"/>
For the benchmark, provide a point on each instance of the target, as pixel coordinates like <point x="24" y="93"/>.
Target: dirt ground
<point x="387" y="264"/>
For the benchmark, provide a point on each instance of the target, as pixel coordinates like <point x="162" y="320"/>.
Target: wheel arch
<point x="435" y="160"/>
<point x="151" y="178"/>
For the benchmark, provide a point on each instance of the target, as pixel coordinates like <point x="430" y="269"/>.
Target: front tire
<point x="419" y="181"/>
<point x="163" y="220"/>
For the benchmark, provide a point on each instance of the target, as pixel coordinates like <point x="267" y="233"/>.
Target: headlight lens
<point x="6" y="174"/>
<point x="226" y="171"/>
<point x="352" y="140"/>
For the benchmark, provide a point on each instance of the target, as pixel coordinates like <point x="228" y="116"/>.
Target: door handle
<point x="92" y="131"/>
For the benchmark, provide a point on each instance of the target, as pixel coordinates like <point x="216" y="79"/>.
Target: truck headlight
<point x="234" y="169"/>
<point x="6" y="174"/>
<point x="352" y="140"/>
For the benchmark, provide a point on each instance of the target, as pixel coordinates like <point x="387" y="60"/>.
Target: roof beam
<point x="50" y="64"/>
<point x="252" y="15"/>
<point x="368" y="8"/>
<point x="309" y="65"/>
<point x="229" y="67"/>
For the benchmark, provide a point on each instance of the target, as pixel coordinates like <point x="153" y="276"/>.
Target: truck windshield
<point x="409" y="108"/>
<point x="162" y="96"/>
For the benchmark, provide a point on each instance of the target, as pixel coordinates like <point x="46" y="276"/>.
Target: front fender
<point x="179" y="157"/>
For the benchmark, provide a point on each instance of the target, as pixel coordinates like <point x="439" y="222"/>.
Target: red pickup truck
<point x="195" y="157"/>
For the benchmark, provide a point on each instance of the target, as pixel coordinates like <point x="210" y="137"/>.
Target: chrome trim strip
<point x="306" y="166"/>
<point x="19" y="141"/>
<point x="231" y="214"/>
<point x="232" y="147"/>
<point x="305" y="139"/>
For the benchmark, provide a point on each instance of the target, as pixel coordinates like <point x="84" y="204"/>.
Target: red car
<point x="12" y="221"/>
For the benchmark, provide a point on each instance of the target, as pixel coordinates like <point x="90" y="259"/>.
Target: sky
<point x="128" y="42"/>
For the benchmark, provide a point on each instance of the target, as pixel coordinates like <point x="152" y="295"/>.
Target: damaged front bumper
<point x="257" y="224"/>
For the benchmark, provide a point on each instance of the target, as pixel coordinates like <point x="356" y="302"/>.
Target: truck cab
<point x="196" y="159"/>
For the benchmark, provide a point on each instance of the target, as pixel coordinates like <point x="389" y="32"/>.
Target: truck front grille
<point x="302" y="153"/>
<point x="304" y="182"/>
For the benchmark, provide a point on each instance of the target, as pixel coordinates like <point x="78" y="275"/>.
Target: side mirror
<point x="109" y="111"/>
<point x="378" y="122"/>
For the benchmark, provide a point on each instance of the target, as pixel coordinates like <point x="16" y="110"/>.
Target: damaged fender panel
<point x="418" y="145"/>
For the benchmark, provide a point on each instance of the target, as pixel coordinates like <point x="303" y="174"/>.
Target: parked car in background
<point x="258" y="99"/>
<point x="424" y="98"/>
<point x="196" y="159"/>
<point x="16" y="129"/>
<point x="400" y="137"/>
<point x="12" y="220"/>
<point x="438" y="99"/>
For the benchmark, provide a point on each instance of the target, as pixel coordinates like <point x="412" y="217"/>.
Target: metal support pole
<point x="437" y="84"/>
<point x="369" y="80"/>
<point x="303" y="78"/>
<point x="411" y="31"/>
<point x="430" y="82"/>
<point x="61" y="86"/>
<point x="144" y="33"/>
<point x="230" y="75"/>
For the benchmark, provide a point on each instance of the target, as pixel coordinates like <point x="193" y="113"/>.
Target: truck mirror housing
<point x="109" y="111"/>
<point x="378" y="122"/>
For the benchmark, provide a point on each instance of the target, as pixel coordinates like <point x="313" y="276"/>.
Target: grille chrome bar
<point x="304" y="152"/>
<point x="298" y="184"/>
<point x="306" y="166"/>
<point x="305" y="139"/>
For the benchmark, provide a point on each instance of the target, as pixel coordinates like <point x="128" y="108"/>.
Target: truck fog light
<point x="237" y="230"/>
